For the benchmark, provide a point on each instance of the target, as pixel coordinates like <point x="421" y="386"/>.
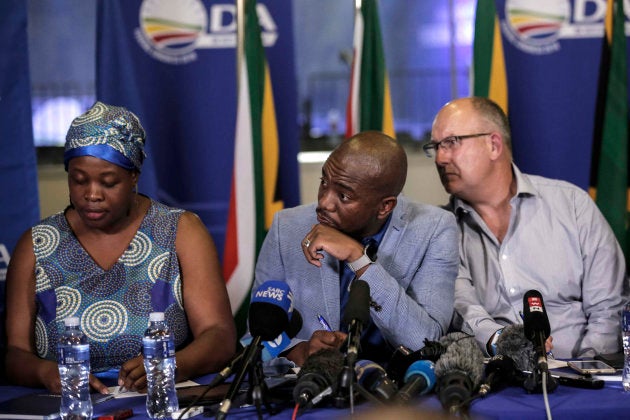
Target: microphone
<point x="536" y="325"/>
<point x="269" y="314"/>
<point x="318" y="377"/>
<point x="356" y="316"/>
<point x="500" y="371"/>
<point x="403" y="358"/>
<point x="512" y="343"/>
<point x="459" y="371"/>
<point x="419" y="379"/>
<point x="273" y="348"/>
<point x="374" y="379"/>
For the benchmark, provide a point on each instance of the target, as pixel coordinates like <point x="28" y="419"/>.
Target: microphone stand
<point x="258" y="390"/>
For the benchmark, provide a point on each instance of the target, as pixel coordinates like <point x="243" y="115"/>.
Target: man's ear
<point x="387" y="206"/>
<point x="496" y="145"/>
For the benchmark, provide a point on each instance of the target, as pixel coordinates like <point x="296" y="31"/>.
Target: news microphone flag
<point x="609" y="167"/>
<point x="488" y="78"/>
<point x="253" y="195"/>
<point x="369" y="104"/>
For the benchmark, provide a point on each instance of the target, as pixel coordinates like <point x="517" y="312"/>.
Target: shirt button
<point x="512" y="290"/>
<point x="504" y="257"/>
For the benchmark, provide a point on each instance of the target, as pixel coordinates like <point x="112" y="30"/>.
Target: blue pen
<point x="322" y="321"/>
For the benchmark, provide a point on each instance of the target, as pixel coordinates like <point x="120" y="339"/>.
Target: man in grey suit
<point x="361" y="227"/>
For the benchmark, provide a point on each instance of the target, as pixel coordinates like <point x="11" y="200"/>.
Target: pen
<point x="322" y="321"/>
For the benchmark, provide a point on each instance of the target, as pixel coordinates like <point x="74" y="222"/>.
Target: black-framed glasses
<point x="430" y="148"/>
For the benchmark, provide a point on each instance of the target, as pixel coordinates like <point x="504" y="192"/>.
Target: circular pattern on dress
<point x="41" y="338"/>
<point x="164" y="237"/>
<point x="137" y="298"/>
<point x="138" y="251"/>
<point x="156" y="265"/>
<point x="176" y="321"/>
<point x="177" y="291"/>
<point x="105" y="284"/>
<point x="41" y="280"/>
<point x="47" y="276"/>
<point x="72" y="257"/>
<point x="45" y="240"/>
<point x="68" y="301"/>
<point x="123" y="348"/>
<point x="103" y="320"/>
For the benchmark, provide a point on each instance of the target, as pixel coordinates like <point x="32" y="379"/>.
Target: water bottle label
<point x="161" y="348"/>
<point x="74" y="354"/>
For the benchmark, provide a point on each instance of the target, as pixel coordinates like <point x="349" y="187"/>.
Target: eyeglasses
<point x="450" y="142"/>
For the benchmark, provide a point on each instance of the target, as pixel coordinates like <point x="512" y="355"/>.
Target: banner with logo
<point x="173" y="63"/>
<point x="552" y="54"/>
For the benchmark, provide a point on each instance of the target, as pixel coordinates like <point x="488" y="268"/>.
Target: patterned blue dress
<point x="113" y="305"/>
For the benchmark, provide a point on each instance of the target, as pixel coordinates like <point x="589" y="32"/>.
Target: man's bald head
<point x="381" y="158"/>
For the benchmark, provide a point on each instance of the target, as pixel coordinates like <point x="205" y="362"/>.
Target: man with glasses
<point x="523" y="232"/>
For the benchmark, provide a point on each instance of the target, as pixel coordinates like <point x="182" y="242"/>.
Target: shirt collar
<point x="524" y="187"/>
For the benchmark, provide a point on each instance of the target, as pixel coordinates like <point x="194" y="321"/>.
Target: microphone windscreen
<point x="319" y="371"/>
<point x="534" y="315"/>
<point x="459" y="370"/>
<point x="269" y="310"/>
<point x="358" y="306"/>
<point x="513" y="344"/>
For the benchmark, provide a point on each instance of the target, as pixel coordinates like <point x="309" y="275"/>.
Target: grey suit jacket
<point x="412" y="280"/>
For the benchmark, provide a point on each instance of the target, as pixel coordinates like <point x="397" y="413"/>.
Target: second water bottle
<point x="159" y="363"/>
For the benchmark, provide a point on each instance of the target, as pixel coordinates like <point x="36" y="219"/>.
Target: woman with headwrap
<point x="110" y="258"/>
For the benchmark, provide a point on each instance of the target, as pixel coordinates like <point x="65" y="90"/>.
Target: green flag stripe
<point x="483" y="47"/>
<point x="372" y="84"/>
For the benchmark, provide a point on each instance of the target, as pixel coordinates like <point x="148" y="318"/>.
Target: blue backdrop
<point x="552" y="54"/>
<point x="172" y="62"/>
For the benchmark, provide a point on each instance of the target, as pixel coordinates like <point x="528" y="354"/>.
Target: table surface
<point x="510" y="403"/>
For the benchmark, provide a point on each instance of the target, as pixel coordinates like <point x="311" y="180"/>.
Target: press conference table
<point x="510" y="403"/>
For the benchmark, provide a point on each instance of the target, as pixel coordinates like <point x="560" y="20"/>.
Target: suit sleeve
<point x="419" y="307"/>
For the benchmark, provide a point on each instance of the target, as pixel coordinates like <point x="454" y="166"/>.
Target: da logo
<point x="534" y="26"/>
<point x="170" y="29"/>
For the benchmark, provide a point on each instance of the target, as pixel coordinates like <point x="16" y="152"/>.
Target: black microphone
<point x="373" y="378"/>
<point x="459" y="371"/>
<point x="269" y="315"/>
<point x="356" y="315"/>
<point x="536" y="325"/>
<point x="513" y="343"/>
<point x="318" y="377"/>
<point x="419" y="379"/>
<point x="403" y="358"/>
<point x="500" y="371"/>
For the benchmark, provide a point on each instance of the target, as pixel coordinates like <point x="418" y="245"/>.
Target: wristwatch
<point x="368" y="257"/>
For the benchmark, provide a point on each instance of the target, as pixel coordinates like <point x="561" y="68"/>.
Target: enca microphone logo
<point x="535" y="304"/>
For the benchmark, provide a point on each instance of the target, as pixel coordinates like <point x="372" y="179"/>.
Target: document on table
<point x="117" y="393"/>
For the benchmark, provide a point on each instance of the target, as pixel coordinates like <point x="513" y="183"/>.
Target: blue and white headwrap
<point x="111" y="133"/>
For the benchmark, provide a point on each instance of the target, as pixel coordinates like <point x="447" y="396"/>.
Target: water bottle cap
<point x="156" y="316"/>
<point x="71" y="321"/>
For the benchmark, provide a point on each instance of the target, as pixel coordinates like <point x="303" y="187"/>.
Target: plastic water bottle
<point x="73" y="356"/>
<point x="159" y="363"/>
<point x="625" y="331"/>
